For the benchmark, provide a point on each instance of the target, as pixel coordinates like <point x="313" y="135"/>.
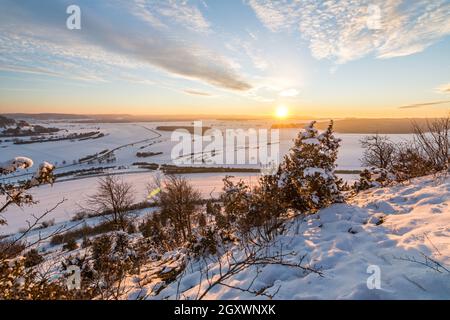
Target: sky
<point x="328" y="58"/>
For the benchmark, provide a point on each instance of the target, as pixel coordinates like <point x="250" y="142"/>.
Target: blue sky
<point x="319" y="58"/>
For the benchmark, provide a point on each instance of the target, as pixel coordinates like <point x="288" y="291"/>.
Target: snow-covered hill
<point x="402" y="231"/>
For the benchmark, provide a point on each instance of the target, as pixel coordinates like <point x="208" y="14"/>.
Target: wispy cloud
<point x="111" y="47"/>
<point x="425" y="104"/>
<point x="445" y="88"/>
<point x="197" y="93"/>
<point x="250" y="50"/>
<point x="161" y="13"/>
<point x="346" y="30"/>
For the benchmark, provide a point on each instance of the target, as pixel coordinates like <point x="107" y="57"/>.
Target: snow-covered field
<point x="126" y="139"/>
<point x="130" y="138"/>
<point x="345" y="241"/>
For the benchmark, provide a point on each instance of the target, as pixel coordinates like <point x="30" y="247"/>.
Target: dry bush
<point x="433" y="140"/>
<point x="11" y="249"/>
<point x="83" y="232"/>
<point x="32" y="258"/>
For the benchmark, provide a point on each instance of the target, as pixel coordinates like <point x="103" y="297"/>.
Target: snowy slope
<point x="415" y="222"/>
<point x="75" y="192"/>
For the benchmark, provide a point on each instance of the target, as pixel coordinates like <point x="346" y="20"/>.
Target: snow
<point x="346" y="242"/>
<point x="44" y="169"/>
<point x="15" y="164"/>
<point x="75" y="193"/>
<point x="129" y="138"/>
<point x="311" y="172"/>
<point x="312" y="141"/>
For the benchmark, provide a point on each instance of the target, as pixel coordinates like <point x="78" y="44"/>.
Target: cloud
<point x="173" y="12"/>
<point x="197" y="93"/>
<point x="346" y="30"/>
<point x="426" y="104"/>
<point x="33" y="34"/>
<point x="445" y="88"/>
<point x="256" y="55"/>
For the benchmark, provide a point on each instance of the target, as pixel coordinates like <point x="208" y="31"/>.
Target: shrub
<point x="410" y="163"/>
<point x="32" y="258"/>
<point x="47" y="224"/>
<point x="18" y="282"/>
<point x="79" y="216"/>
<point x="206" y="244"/>
<point x="307" y="177"/>
<point x="83" y="232"/>
<point x="374" y="178"/>
<point x="157" y="233"/>
<point x="178" y="201"/>
<point x="70" y="245"/>
<point x="10" y="249"/>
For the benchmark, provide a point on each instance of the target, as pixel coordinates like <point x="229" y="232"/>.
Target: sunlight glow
<point x="282" y="112"/>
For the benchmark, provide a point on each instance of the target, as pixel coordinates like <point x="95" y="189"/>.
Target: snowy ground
<point x="127" y="139"/>
<point x="416" y="223"/>
<point x="387" y="228"/>
<point x="75" y="192"/>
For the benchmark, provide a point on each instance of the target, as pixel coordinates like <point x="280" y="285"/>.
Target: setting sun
<point x="282" y="112"/>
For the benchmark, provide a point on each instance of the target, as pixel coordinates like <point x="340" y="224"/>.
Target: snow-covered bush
<point x="158" y="233"/>
<point x="18" y="282"/>
<point x="111" y="258"/>
<point x="306" y="177"/>
<point x="17" y="193"/>
<point x="15" y="164"/>
<point x="207" y="242"/>
<point x="374" y="178"/>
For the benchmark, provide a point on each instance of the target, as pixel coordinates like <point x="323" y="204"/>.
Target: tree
<point x="113" y="196"/>
<point x="379" y="151"/>
<point x="306" y="176"/>
<point x="178" y="201"/>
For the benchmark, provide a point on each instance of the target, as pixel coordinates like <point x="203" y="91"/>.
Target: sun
<point x="282" y="112"/>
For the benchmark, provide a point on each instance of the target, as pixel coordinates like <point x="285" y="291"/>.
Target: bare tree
<point x="114" y="196"/>
<point x="433" y="140"/>
<point x="378" y="151"/>
<point x="178" y="201"/>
